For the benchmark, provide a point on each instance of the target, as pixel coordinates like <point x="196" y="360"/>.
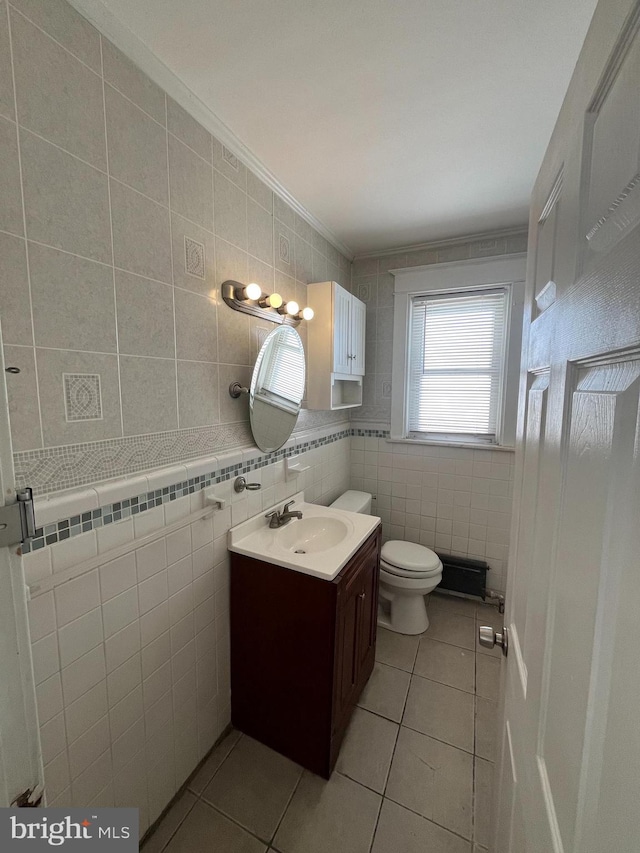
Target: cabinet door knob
<point x="362" y="595"/>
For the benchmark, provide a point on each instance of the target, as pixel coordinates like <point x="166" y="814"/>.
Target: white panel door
<point x="341" y="329"/>
<point x="568" y="773"/>
<point x="358" y="328"/>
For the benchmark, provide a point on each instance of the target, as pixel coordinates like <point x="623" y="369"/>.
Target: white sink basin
<point x="311" y="535"/>
<point x="320" y="543"/>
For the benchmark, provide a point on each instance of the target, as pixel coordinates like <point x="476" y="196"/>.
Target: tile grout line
<point x="172" y="261"/>
<point x="113" y="259"/>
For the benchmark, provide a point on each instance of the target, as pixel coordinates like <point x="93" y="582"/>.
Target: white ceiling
<point x="392" y="122"/>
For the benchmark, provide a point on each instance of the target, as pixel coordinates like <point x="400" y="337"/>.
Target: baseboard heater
<point x="460" y="574"/>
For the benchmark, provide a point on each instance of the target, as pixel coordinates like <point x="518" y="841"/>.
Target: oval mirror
<point x="277" y="388"/>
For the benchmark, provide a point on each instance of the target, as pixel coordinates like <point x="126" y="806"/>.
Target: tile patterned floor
<point x="414" y="774"/>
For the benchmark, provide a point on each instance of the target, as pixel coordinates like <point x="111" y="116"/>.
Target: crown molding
<point x="451" y="241"/>
<point x="128" y="42"/>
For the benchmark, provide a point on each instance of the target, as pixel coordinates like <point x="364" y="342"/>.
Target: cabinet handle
<point x="362" y="595"/>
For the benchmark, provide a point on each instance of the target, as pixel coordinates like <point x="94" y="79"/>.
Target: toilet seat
<point x="409" y="560"/>
<point x="409" y="573"/>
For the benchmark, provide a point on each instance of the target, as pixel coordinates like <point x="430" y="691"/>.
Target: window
<point x="457" y="333"/>
<point x="456" y="363"/>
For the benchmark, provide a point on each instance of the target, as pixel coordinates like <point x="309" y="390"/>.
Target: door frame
<point x="20" y="750"/>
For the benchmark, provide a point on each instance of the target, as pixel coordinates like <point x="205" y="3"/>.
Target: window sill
<point x="473" y="445"/>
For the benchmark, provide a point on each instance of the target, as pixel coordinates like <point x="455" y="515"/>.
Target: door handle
<point x="362" y="595"/>
<point x="490" y="638"/>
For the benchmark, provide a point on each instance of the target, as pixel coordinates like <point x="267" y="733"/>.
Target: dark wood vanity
<point x="302" y="649"/>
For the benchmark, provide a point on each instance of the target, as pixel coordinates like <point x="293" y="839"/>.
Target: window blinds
<point x="284" y="374"/>
<point x="456" y="361"/>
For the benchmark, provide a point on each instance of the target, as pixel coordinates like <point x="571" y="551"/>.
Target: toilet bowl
<point x="408" y="572"/>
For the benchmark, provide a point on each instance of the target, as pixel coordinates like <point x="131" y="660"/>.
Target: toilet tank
<point x="354" y="502"/>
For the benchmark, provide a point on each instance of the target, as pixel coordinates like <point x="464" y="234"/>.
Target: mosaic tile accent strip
<point x="82" y="397"/>
<point x="285" y="250"/>
<point x="110" y="513"/>
<point x="370" y="433"/>
<point x="230" y="157"/>
<point x="56" y="468"/>
<point x="194" y="258"/>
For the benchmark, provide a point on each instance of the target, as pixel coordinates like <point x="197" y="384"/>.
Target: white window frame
<point x="455" y="278"/>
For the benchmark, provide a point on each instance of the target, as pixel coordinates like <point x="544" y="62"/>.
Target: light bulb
<point x="272" y="301"/>
<point x="253" y="291"/>
<point x="292" y="308"/>
<point x="307" y="313"/>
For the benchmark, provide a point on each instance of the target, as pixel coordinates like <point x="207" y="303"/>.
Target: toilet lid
<point x="410" y="557"/>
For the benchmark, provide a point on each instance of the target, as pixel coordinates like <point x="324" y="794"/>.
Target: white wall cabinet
<point x="335" y="351"/>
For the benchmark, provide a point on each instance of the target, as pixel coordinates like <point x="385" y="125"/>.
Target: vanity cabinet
<point x="302" y="649"/>
<point x="336" y="347"/>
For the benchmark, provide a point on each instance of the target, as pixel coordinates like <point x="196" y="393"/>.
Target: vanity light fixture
<point x="251" y="291"/>
<point x="274" y="300"/>
<point x="249" y="299"/>
<point x="291" y="308"/>
<point x="306" y="314"/>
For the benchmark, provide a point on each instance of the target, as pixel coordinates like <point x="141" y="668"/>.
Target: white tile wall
<point x="132" y="655"/>
<point x="455" y="500"/>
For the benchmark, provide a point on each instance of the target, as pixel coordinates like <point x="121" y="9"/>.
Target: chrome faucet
<point x="278" y="519"/>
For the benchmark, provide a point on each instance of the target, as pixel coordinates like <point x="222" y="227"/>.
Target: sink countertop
<point x="254" y="538"/>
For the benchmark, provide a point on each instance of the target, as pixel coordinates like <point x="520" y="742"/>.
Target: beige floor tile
<point x="452" y="604"/>
<point x="397" y="650"/>
<point x="213" y="762"/>
<point x="447" y="664"/>
<point x="486" y="722"/>
<point x="402" y="831"/>
<point x="433" y="779"/>
<point x="386" y="692"/>
<point x="254" y="786"/>
<point x="207" y="831"/>
<point x="486" y="614"/>
<point x="487" y="677"/>
<point x="482" y="801"/>
<point x="327" y="817"/>
<point x="441" y="712"/>
<point x="451" y="628"/>
<point x="170" y="823"/>
<point x="365" y="755"/>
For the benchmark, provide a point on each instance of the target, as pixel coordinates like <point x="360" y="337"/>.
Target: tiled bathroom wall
<point x="121" y="216"/>
<point x="130" y="633"/>
<point x="451" y="499"/>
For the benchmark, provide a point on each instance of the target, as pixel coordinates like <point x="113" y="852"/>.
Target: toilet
<point x="408" y="572"/>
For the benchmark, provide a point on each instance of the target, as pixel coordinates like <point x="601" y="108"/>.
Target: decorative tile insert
<point x="82" y="397"/>
<point x="364" y="292"/>
<point x="230" y="157"/>
<point x="386" y="390"/>
<point x="285" y="251"/>
<point x="110" y="513"/>
<point x="194" y="259"/>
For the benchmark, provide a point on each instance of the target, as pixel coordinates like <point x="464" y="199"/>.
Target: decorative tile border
<point x="110" y="513"/>
<point x="370" y="433"/>
<point x="57" y="468"/>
